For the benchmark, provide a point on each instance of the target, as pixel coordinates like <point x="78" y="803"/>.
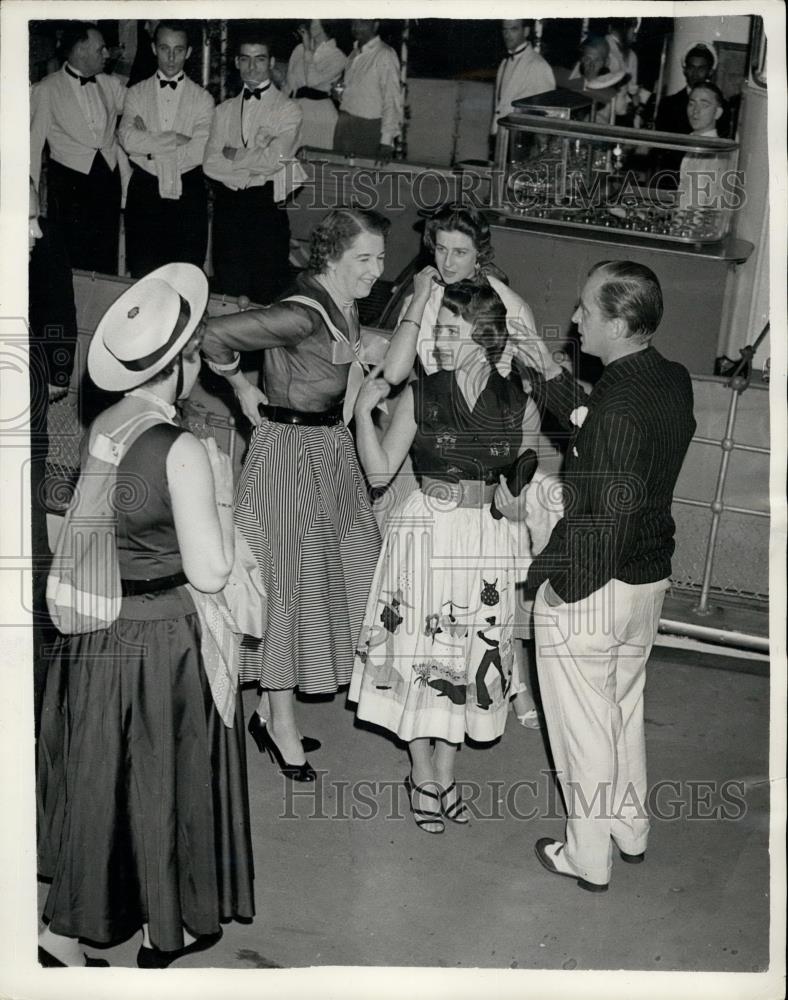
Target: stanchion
<point x="738" y="383"/>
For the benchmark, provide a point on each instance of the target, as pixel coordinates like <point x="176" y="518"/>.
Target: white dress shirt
<point x="372" y="87"/>
<point x="89" y="100"/>
<point x="168" y="98"/>
<point x="316" y="69"/>
<point x="523" y="73"/>
<point x="236" y="126"/>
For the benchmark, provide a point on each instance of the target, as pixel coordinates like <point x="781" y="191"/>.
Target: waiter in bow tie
<point x="251" y="158"/>
<point x="164" y="130"/>
<point x="522" y="73"/>
<point x="75" y="112"/>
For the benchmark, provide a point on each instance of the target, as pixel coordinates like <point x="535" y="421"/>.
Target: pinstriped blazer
<point x="628" y="442"/>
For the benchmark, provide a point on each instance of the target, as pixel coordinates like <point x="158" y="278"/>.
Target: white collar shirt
<point x="521" y="74"/>
<point x="168" y="99"/>
<point x="253" y="109"/>
<point x="89" y="100"/>
<point x="372" y="87"/>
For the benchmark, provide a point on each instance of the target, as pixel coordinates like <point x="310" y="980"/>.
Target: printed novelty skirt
<point x="435" y="657"/>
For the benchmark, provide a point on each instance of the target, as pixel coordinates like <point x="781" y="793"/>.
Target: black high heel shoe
<point x="257" y="726"/>
<point x="153" y="958"/>
<point x="295" y="772"/>
<point x="50" y="962"/>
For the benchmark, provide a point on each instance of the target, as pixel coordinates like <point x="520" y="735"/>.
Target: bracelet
<point x="220" y="503"/>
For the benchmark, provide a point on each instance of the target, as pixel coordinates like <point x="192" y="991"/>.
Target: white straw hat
<point x="147" y="326"/>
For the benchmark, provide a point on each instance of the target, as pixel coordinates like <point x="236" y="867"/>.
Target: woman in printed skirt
<point x="435" y="660"/>
<point x="301" y="501"/>
<point x="142" y="800"/>
<point x="458" y="238"/>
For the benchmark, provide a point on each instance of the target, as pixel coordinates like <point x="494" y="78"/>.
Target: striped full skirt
<point x="302" y="504"/>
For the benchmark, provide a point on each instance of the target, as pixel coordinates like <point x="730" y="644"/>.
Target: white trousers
<point x="591" y="659"/>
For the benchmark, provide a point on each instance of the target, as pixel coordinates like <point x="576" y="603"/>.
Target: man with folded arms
<point x="164" y="130"/>
<point x="251" y="157"/>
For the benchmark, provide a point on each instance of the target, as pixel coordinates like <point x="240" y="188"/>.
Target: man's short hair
<point x="184" y="27"/>
<point x="700" y="51"/>
<point x="712" y="89"/>
<point x="75" y="32"/>
<point x="596" y="42"/>
<point x="631" y="292"/>
<point x="253" y="34"/>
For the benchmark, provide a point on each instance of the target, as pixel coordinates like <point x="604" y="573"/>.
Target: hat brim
<point x="112" y="375"/>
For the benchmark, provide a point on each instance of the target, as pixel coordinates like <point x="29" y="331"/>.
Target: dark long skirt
<point x="143" y="804"/>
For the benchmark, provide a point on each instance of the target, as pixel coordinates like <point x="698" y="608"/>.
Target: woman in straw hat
<point x="143" y="809"/>
<point x="301" y="501"/>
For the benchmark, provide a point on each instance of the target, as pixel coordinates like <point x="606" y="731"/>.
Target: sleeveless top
<point x="147" y="544"/>
<point x="453" y="442"/>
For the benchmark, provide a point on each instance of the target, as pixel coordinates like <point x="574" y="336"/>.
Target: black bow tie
<point x="82" y="79"/>
<point x="170" y="83"/>
<point x="257" y="94"/>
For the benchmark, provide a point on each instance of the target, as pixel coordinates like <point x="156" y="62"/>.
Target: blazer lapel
<point x="152" y="103"/>
<point x="234" y="111"/>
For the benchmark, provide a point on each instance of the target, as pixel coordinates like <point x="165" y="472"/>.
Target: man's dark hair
<point x="700" y="50"/>
<point x="253" y="33"/>
<point x="75" y="32"/>
<point x="631" y="292"/>
<point x="184" y="27"/>
<point x="713" y="89"/>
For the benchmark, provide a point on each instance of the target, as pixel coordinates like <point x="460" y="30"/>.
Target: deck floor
<point x="372" y="890"/>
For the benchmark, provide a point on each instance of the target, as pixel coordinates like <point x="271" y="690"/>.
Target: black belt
<point x="282" y="415"/>
<point x="133" y="588"/>
<point x="312" y="94"/>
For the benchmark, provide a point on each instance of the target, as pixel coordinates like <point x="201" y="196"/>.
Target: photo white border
<point x="20" y="976"/>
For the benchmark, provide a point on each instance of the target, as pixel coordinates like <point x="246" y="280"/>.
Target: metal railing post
<point x="739" y="381"/>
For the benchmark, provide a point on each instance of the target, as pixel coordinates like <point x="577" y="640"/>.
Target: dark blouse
<point x="147" y="544"/>
<point x="454" y="442"/>
<point x="303" y="369"/>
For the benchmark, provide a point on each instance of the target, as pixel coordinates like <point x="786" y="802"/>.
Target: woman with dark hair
<point x="435" y="659"/>
<point x="143" y="811"/>
<point x="301" y="501"/>
<point x="315" y="64"/>
<point x="458" y="237"/>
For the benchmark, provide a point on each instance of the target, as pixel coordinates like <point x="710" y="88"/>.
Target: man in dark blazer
<point x="75" y="110"/>
<point x="603" y="574"/>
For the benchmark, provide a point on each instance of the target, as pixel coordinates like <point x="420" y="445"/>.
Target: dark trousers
<point x="86" y="209"/>
<point x="162" y="230"/>
<point x="251" y="243"/>
<point x="357" y="136"/>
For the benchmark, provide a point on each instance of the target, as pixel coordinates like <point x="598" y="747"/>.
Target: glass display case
<point x="659" y="185"/>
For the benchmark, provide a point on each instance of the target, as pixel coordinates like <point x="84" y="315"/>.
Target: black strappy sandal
<point x="424" y="817"/>
<point x="457" y="812"/>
